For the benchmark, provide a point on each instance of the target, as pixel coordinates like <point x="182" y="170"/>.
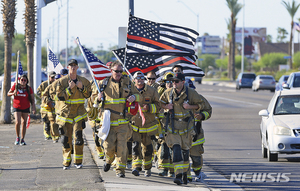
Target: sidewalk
<point x="38" y="165"/>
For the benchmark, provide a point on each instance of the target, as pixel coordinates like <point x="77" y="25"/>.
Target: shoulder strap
<point x="187" y="94"/>
<point x="104" y="84"/>
<point x="171" y="96"/>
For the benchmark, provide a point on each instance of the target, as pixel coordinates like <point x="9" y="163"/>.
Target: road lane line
<point x="232" y="100"/>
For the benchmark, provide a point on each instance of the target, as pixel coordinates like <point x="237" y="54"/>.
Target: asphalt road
<point x="233" y="143"/>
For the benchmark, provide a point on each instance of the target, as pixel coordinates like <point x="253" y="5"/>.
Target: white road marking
<point x="232" y="100"/>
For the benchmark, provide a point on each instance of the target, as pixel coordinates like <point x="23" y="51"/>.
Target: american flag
<point x="53" y="62"/>
<point x="100" y="70"/>
<point x="158" y="63"/>
<point x="144" y="37"/>
<point x="20" y="72"/>
<point x="297" y="26"/>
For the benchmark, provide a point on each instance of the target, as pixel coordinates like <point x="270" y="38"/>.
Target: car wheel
<point x="272" y="90"/>
<point x="263" y="149"/>
<point x="272" y="156"/>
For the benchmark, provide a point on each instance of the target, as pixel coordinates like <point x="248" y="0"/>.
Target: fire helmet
<point x="168" y="75"/>
<point x="132" y="108"/>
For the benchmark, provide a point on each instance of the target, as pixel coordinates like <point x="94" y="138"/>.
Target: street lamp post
<point x="67" y="48"/>
<point x="243" y="36"/>
<point x="197" y="15"/>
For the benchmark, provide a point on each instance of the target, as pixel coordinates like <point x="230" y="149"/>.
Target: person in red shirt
<point x="21" y="106"/>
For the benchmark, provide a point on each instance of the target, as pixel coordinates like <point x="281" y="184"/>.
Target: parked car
<point x="293" y="81"/>
<point x="279" y="127"/>
<point x="282" y="80"/>
<point x="244" y="80"/>
<point x="264" y="82"/>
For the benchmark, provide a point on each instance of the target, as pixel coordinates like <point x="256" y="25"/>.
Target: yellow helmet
<point x="168" y="75"/>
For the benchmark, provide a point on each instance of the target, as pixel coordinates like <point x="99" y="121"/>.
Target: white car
<point x="280" y="125"/>
<point x="264" y="82"/>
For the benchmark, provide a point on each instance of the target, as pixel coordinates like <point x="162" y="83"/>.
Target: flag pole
<point x="123" y="64"/>
<point x="48" y="62"/>
<point x="87" y="63"/>
<point x="17" y="69"/>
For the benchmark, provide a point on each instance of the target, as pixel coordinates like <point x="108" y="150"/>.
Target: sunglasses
<point x="169" y="82"/>
<point x="176" y="81"/>
<point x="52" y="76"/>
<point x="23" y="80"/>
<point x="151" y="78"/>
<point x="118" y="71"/>
<point x="140" y="78"/>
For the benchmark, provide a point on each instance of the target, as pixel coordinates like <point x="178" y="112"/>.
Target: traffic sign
<point x="287" y="57"/>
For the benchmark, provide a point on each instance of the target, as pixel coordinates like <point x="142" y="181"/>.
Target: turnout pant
<point x="180" y="145"/>
<point x="196" y="153"/>
<point x="73" y="130"/>
<point x="142" y="150"/>
<point x="116" y="144"/>
<point x="163" y="156"/>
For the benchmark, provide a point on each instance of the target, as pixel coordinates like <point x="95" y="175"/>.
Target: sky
<point x="96" y="22"/>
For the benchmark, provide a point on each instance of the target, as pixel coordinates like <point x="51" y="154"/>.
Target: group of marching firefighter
<point x="133" y="122"/>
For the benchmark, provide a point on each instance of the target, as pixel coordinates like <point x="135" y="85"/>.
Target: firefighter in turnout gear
<point x="181" y="101"/>
<point x="45" y="109"/>
<point x="197" y="146"/>
<point x="94" y="119"/>
<point x="47" y="100"/>
<point x="151" y="77"/>
<point x="71" y="115"/>
<point x="143" y="134"/>
<point x="115" y="91"/>
<point x="165" y="164"/>
<point x="49" y="96"/>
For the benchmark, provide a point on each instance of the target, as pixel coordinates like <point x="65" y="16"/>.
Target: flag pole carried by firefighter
<point x="98" y="71"/>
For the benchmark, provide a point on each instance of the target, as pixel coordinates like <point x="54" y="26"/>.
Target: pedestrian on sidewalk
<point x="23" y="97"/>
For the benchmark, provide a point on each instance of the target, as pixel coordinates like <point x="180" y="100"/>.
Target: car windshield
<point x="286" y="105"/>
<point x="297" y="81"/>
<point x="251" y="76"/>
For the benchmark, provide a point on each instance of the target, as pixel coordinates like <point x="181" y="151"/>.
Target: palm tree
<point x="9" y="14"/>
<point x="292" y="9"/>
<point x="281" y="34"/>
<point x="30" y="30"/>
<point x="234" y="8"/>
<point x="229" y="74"/>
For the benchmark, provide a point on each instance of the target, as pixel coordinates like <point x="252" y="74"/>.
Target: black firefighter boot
<point x="185" y="179"/>
<point x="178" y="179"/>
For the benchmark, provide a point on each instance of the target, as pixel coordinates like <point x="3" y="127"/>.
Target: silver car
<point x="264" y="82"/>
<point x="280" y="125"/>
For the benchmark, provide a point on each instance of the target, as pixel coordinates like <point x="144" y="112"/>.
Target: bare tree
<point x="9" y="14"/>
<point x="30" y="31"/>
